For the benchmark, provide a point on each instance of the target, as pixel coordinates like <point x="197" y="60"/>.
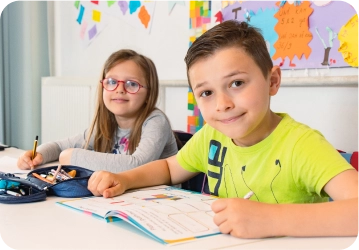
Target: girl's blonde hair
<point x="104" y="125"/>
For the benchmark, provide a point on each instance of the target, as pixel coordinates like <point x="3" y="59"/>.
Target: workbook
<point x="168" y="214"/>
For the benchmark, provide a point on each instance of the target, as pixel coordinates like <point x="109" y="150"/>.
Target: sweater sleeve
<point x="157" y="141"/>
<point x="51" y="150"/>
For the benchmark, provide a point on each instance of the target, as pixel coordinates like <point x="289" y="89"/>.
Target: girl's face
<point x="123" y="105"/>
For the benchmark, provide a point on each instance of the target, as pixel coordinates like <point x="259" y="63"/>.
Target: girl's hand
<point x="243" y="218"/>
<point x="25" y="162"/>
<point x="106" y="184"/>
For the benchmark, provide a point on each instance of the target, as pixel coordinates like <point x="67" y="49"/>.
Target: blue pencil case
<point x="14" y="189"/>
<point x="70" y="188"/>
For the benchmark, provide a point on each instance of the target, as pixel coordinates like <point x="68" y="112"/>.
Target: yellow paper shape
<point x="96" y="16"/>
<point x="293" y="31"/>
<point x="348" y="37"/>
<point x="224" y="3"/>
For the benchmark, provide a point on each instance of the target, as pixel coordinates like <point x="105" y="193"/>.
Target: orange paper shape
<point x="348" y="37"/>
<point x="293" y="31"/>
<point x="144" y="16"/>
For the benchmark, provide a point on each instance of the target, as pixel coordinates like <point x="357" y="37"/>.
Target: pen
<point x="34" y="150"/>
<point x="249" y="195"/>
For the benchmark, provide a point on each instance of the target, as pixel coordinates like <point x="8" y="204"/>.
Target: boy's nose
<point x="224" y="102"/>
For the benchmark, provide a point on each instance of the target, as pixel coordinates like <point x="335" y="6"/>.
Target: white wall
<point x="331" y="109"/>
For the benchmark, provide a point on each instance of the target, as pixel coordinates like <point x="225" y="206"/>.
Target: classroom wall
<point x="331" y="109"/>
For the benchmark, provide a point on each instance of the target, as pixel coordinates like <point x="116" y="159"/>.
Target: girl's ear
<point x="275" y="79"/>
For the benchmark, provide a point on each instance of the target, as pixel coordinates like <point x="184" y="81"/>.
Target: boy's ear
<point x="275" y="79"/>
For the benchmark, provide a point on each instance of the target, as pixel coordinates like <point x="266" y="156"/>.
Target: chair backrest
<point x="352" y="158"/>
<point x="199" y="182"/>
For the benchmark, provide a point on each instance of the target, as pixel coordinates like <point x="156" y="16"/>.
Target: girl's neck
<point x="125" y="123"/>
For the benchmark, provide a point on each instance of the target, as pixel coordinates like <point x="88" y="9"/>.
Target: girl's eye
<point x="206" y="93"/>
<point x="111" y="81"/>
<point x="236" y="84"/>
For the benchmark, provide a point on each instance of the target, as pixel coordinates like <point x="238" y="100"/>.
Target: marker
<point x="249" y="195"/>
<point x="12" y="193"/>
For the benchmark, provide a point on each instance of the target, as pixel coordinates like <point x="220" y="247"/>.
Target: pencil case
<point x="12" y="186"/>
<point x="14" y="189"/>
<point x="71" y="188"/>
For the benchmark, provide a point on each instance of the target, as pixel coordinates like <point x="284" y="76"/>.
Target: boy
<point x="245" y="147"/>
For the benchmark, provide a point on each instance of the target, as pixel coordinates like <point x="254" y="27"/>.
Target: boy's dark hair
<point x="231" y="33"/>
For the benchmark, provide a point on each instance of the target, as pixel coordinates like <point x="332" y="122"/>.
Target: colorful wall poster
<point x="299" y="34"/>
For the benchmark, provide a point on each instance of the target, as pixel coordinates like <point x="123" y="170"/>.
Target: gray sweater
<point x="157" y="142"/>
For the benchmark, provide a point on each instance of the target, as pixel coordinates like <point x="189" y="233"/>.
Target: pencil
<point x="34" y="149"/>
<point x="41" y="178"/>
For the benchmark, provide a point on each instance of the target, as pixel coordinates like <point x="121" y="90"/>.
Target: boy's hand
<point x="243" y="218"/>
<point x="25" y="162"/>
<point x="106" y="184"/>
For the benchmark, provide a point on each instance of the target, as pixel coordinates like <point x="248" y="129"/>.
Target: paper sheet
<point x="9" y="165"/>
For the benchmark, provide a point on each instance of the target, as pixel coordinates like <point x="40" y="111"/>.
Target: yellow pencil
<point x="35" y="146"/>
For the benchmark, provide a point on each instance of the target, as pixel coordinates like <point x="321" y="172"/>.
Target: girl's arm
<point x="52" y="150"/>
<point x="157" y="141"/>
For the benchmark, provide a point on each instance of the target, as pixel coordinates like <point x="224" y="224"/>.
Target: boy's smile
<point x="234" y="96"/>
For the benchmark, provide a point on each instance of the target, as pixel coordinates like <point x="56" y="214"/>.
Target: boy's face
<point x="233" y="95"/>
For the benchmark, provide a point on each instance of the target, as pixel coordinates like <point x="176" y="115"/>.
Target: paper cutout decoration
<point x="96" y="14"/>
<point x="77" y="4"/>
<point x="293" y="31"/>
<point x="325" y="23"/>
<point x="219" y="17"/>
<point x="348" y="37"/>
<point x="81" y="14"/>
<point x="171" y="5"/>
<point x="224" y="3"/>
<point x="257" y="14"/>
<point x="110" y="3"/>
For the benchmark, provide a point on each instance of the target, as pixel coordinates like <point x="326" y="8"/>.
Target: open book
<point x="168" y="214"/>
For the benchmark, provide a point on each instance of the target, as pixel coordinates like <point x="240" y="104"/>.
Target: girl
<point x="127" y="129"/>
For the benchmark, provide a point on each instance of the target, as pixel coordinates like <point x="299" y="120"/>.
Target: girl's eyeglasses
<point x="130" y="86"/>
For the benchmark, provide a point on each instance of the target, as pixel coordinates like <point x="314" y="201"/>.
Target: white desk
<point x="47" y="225"/>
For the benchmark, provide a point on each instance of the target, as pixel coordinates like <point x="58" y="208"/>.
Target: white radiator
<point x="67" y="106"/>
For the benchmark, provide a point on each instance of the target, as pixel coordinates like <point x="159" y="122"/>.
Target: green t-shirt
<point x="291" y="165"/>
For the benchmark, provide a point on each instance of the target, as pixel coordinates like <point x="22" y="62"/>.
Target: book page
<point x="168" y="214"/>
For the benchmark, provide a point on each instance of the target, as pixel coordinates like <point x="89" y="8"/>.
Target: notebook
<point x="167" y="214"/>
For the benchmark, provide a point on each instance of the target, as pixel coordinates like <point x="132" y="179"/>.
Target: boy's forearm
<point x="150" y="174"/>
<point x="337" y="218"/>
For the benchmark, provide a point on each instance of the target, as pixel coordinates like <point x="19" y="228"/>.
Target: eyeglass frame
<point x="123" y="82"/>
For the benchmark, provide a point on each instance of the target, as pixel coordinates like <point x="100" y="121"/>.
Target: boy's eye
<point x="236" y="83"/>
<point x="206" y="93"/>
